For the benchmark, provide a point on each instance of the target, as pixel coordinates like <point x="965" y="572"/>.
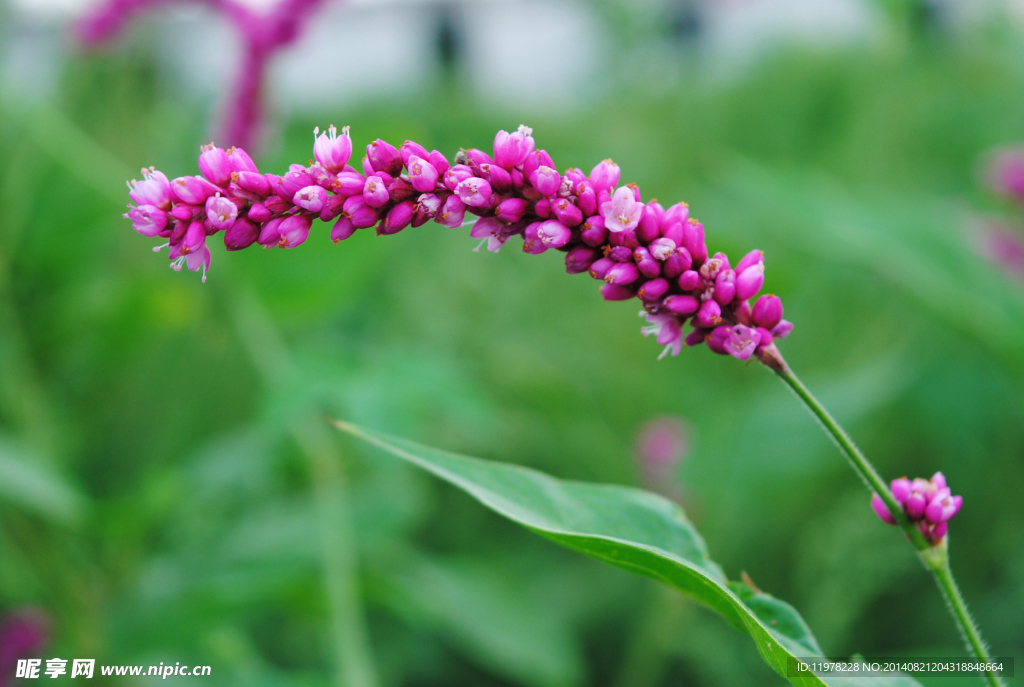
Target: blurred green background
<point x="169" y="492"/>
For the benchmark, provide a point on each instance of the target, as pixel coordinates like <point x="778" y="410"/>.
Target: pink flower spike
<point x="215" y="165"/>
<point x="311" y="198"/>
<point x="604" y="176"/>
<point x="881" y="509"/>
<point x="154" y="189"/>
<point x="474" y="191"/>
<point x="375" y="193"/>
<point x="622" y="212"/>
<point x="668" y="331"/>
<point x="221" y="212"/>
<point x="148" y="220"/>
<point x="422" y="174"/>
<point x="742" y="341"/>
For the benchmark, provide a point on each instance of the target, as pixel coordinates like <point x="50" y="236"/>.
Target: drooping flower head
<point x="928" y="503"/>
<point x="637" y="250"/>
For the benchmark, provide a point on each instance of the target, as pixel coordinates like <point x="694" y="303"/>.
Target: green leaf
<point x="629" y="528"/>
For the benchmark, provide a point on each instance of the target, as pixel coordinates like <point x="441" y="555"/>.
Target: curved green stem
<point x="934" y="557"/>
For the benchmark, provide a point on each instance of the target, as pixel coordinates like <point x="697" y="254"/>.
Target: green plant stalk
<point x="935" y="558"/>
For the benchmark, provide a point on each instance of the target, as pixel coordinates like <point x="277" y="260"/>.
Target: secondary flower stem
<point x="935" y="558"/>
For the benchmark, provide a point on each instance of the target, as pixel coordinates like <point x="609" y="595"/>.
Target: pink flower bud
<point x="311" y="198"/>
<point x="579" y="259"/>
<point x="693" y="240"/>
<point x="342" y="229"/>
<point x="682" y="305"/>
<point x="384" y="157"/>
<point x="752" y="258"/>
<point x="427" y="207"/>
<point x="331" y="150"/>
<point x="333" y="206"/>
<point x="535" y="160"/>
<point x="192" y="190"/>
<point x="240" y="161"/>
<point x="375" y="193"/>
<point x="742" y="341"/>
<point x="532" y="243"/>
<point x="593" y="231"/>
<point x="622" y="273"/>
<point x="725" y="287"/>
<point x="567" y="213"/>
<point x="456" y="175"/>
<point x="511" y="210"/>
<point x="474" y="191"/>
<point x="622" y="212"/>
<point x="398" y="218"/>
<point x="148" y="220"/>
<point x="542" y="208"/>
<point x="452" y="213"/>
<point x="546" y="180"/>
<point x="881" y="509"/>
<point x="511" y="150"/>
<point x="938" y="480"/>
<point x="915" y="505"/>
<point x="294" y="181"/>
<point x="242" y="234"/>
<point x="677" y="263"/>
<point x="498" y="177"/>
<point x="253" y="181"/>
<point x="194" y="239"/>
<point x="615" y="292"/>
<point x="716" y="339"/>
<point x="154" y="189"/>
<point x="587" y="199"/>
<point x="215" y="165"/>
<point x="439" y="161"/>
<point x="269" y="234"/>
<point x="689" y="280"/>
<point x="605" y="176"/>
<point x="349" y="184"/>
<point x="359" y="213"/>
<point x="422" y="174"/>
<point x="294" y="231"/>
<point x="749" y="281"/>
<point x="553" y="233"/>
<point x="766" y="337"/>
<point x="782" y="329"/>
<point x="477" y="159"/>
<point x="653" y="290"/>
<point x="647" y="230"/>
<point x="943" y="506"/>
<point x="648" y="266"/>
<point x="767" y="311"/>
<point x="221" y="212"/>
<point x="709" y="315"/>
<point x="277" y="205"/>
<point x="412" y="149"/>
<point x="601" y="267"/>
<point x="901" y="489"/>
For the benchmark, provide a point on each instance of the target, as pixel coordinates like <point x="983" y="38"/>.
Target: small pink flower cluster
<point x="929" y="503"/>
<point x="639" y="250"/>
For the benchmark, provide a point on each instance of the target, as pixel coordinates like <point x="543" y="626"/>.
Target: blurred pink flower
<point x="22" y="634"/>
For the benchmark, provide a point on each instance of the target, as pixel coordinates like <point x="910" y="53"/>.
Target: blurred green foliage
<point x="155" y="502"/>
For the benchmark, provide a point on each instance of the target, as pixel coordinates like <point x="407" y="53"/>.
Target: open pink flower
<point x="622" y="212"/>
